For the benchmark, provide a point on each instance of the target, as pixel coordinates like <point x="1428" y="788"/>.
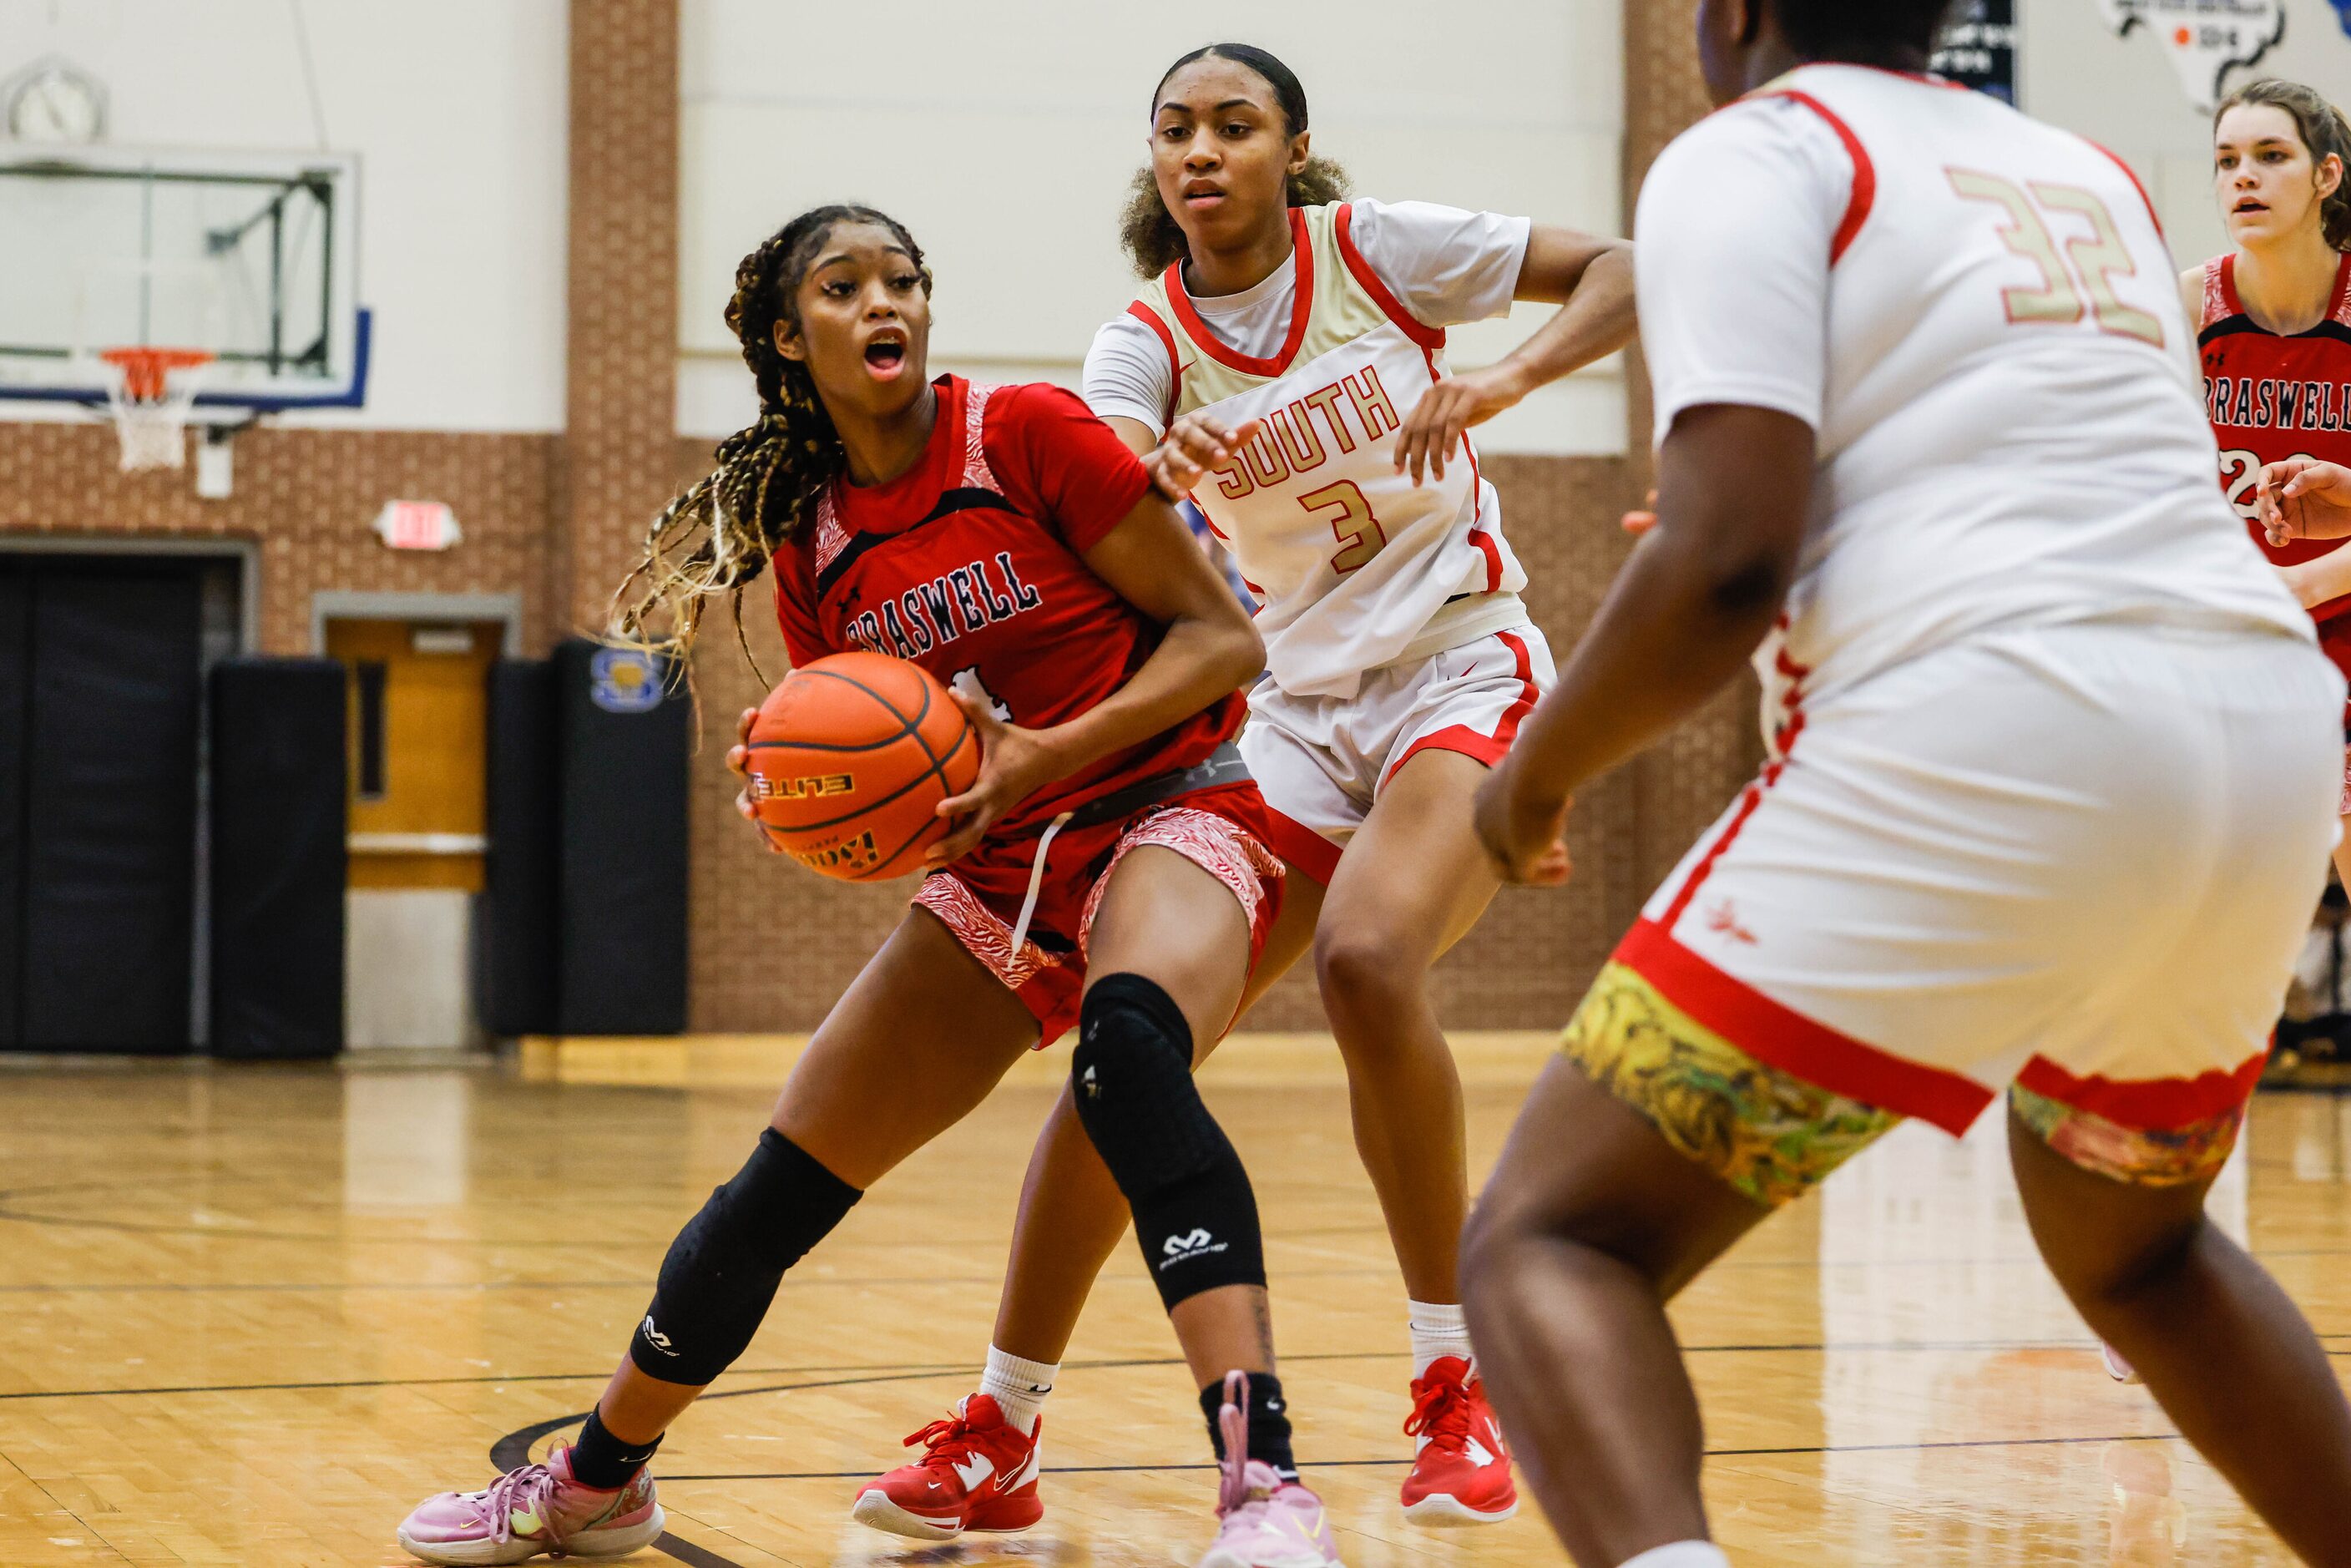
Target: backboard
<point x="250" y="256"/>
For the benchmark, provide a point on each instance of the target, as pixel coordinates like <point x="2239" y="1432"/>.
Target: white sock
<point x="1438" y="1330"/>
<point x="1018" y="1386"/>
<point x="1680" y="1555"/>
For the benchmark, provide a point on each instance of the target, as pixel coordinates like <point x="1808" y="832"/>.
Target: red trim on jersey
<point x="2132" y="175"/>
<point x="1301" y="308"/>
<point x="1477" y="534"/>
<point x="1778" y="1036"/>
<point x="2229" y="285"/>
<point x="1865" y="172"/>
<point x="1430" y="338"/>
<point x="1150" y="317"/>
<point x="1302" y="846"/>
<point x="1485" y="543"/>
<point x="1488" y="750"/>
<point x="2147" y="1104"/>
<point x="2342" y="289"/>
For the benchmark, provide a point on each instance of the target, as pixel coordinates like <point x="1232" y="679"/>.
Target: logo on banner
<point x="2206" y="39"/>
<point x="621" y="680"/>
<point x="2342" y="9"/>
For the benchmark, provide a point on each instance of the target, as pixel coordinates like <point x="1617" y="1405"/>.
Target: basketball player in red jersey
<point x="1108" y="868"/>
<point x="2273" y="319"/>
<point x="2275" y="327"/>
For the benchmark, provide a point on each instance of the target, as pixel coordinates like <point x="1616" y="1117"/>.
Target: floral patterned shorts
<point x="1774" y="1136"/>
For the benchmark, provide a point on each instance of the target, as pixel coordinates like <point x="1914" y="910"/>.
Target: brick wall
<point x="306" y="498"/>
<point x="622" y="386"/>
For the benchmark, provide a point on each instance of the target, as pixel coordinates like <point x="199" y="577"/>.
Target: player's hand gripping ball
<point x="848" y="761"/>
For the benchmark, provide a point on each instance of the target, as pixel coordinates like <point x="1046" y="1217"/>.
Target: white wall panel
<point x="1005" y="138"/>
<point x="2073" y="70"/>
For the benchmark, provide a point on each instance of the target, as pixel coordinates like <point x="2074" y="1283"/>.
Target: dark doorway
<point x="101" y="694"/>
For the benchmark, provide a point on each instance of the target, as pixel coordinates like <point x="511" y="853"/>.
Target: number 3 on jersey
<point x="2088" y="266"/>
<point x="1358" y="532"/>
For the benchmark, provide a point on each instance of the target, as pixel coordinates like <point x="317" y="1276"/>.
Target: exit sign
<point x="417" y="525"/>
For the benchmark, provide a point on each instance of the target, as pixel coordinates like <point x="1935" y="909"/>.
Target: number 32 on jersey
<point x="2082" y="266"/>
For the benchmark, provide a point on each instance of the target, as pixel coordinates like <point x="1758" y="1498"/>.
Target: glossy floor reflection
<point x="254" y="1312"/>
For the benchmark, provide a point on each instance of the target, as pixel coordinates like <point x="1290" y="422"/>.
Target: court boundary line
<point x="903" y="1371"/>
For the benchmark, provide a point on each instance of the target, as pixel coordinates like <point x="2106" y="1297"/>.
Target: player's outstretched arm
<point x="2303" y="498"/>
<point x="1701" y="590"/>
<point x="1210" y="649"/>
<point x="1590" y="279"/>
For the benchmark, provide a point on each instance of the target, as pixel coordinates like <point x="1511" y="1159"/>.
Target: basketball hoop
<point x="150" y="396"/>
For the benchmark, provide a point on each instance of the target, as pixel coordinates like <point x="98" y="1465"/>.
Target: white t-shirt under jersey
<point x="1446" y="266"/>
<point x="1976" y="314"/>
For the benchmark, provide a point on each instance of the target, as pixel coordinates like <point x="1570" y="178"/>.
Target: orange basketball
<point x="850" y="758"/>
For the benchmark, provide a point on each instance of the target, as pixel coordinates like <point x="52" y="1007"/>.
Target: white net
<point x="150" y="394"/>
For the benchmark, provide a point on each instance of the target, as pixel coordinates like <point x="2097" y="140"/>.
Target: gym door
<point x="419" y="706"/>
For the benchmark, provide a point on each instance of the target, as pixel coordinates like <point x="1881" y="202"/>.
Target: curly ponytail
<point x="2325" y="133"/>
<point x="761" y="493"/>
<point x="1153" y="240"/>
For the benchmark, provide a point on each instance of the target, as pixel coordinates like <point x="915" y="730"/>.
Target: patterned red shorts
<point x="1223" y="830"/>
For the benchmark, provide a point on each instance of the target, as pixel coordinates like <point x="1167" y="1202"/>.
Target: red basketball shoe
<point x="1461" y="1474"/>
<point x="978" y="1472"/>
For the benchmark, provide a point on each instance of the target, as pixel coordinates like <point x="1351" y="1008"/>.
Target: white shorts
<point x="2080" y="857"/>
<point x="1322" y="761"/>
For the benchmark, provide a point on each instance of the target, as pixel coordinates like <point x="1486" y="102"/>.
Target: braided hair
<point x="762" y="491"/>
<point x="1154" y="240"/>
<point x="2325" y="133"/>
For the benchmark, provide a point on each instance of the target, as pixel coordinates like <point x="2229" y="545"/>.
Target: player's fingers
<point x="743" y="725"/>
<point x="982" y="714"/>
<point x="1412" y="449"/>
<point x="971" y="799"/>
<point x="738" y="759"/>
<point x="744" y="808"/>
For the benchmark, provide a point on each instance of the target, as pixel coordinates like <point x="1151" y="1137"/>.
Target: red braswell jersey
<point x="2271" y="397"/>
<point x="971" y="561"/>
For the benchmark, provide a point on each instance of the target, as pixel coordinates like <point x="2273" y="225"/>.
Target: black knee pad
<point x="722" y="1272"/>
<point x="1132" y="1074"/>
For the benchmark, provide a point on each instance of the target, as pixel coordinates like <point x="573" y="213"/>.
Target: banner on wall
<point x="1979" y="48"/>
<point x="2205" y="39"/>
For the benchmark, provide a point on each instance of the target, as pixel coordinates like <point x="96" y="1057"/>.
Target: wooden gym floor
<point x="254" y="1314"/>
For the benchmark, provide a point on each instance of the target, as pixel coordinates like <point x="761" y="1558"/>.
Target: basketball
<point x="850" y="758"/>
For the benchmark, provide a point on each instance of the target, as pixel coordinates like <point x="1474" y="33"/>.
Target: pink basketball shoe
<point x="1264" y="1522"/>
<point x="536" y="1510"/>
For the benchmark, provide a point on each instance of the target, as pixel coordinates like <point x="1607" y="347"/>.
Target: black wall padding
<point x="15" y="712"/>
<point x="279" y="860"/>
<point x="111" y="808"/>
<point x="621" y="867"/>
<point x="516" y="977"/>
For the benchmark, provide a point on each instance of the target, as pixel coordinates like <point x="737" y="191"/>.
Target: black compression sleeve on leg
<point x="1194" y="1212"/>
<point x="723" y="1270"/>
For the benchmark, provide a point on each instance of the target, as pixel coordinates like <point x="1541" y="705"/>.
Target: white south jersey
<point x="1976" y="315"/>
<point x="1356" y="566"/>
